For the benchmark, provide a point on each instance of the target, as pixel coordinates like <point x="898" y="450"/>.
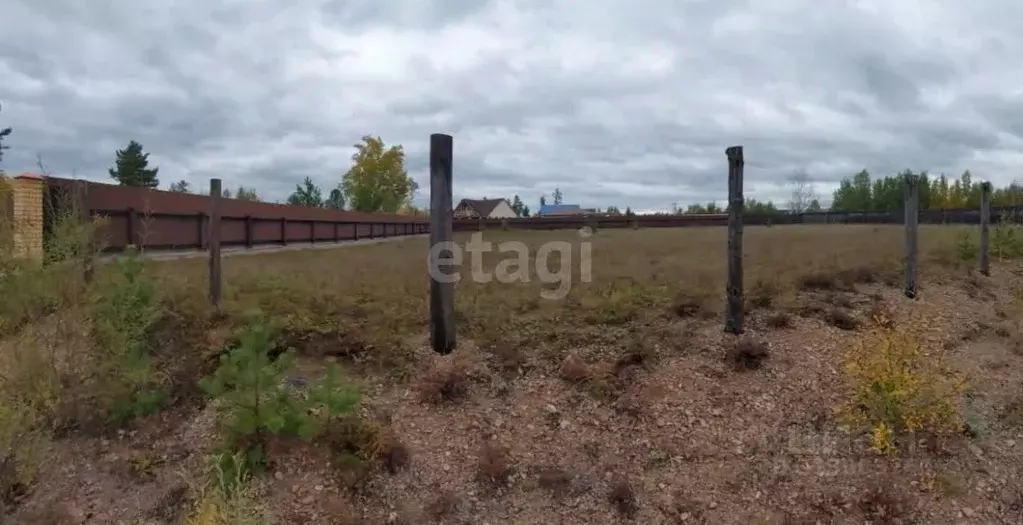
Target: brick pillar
<point x="28" y="215"/>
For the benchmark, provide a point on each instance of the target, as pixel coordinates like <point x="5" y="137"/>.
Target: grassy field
<point x="312" y="396"/>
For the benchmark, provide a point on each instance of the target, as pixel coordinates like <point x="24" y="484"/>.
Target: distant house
<point x="486" y="208"/>
<point x="554" y="210"/>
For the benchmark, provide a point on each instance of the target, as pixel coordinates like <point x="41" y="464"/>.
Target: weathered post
<point x="85" y="219"/>
<point x="985" y="227"/>
<point x="214" y="235"/>
<point x="911" y="204"/>
<point x="442" y="284"/>
<point x="736" y="205"/>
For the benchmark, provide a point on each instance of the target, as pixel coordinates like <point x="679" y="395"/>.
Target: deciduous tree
<point x="306" y="194"/>
<point x="377" y="180"/>
<point x="181" y="186"/>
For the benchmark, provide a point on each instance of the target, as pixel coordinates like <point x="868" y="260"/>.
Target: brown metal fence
<point x="163" y="220"/>
<point x="956" y="216"/>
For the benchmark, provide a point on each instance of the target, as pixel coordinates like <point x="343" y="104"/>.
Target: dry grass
<point x="619" y="390"/>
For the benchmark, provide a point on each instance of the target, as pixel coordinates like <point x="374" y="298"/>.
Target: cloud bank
<point x="616" y="103"/>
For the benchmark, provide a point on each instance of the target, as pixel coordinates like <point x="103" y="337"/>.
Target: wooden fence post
<point x="911" y="204"/>
<point x="85" y="218"/>
<point x="736" y="207"/>
<point x="355" y="230"/>
<point x="336" y="237"/>
<point x="248" y="231"/>
<point x="133" y="229"/>
<point x="985" y="227"/>
<point x="215" y="200"/>
<point x="312" y="232"/>
<point x="442" y="294"/>
<point x="203" y="233"/>
<point x="284" y="231"/>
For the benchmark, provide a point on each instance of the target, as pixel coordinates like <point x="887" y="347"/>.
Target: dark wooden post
<point x="336" y="237"/>
<point x="312" y="232"/>
<point x="985" y="227"/>
<point x="355" y="230"/>
<point x="85" y="218"/>
<point x="442" y="294"/>
<point x="736" y="207"/>
<point x="132" y="227"/>
<point x="371" y="232"/>
<point x="216" y="195"/>
<point x="203" y="236"/>
<point x="911" y="205"/>
<point x="284" y="231"/>
<point x="248" y="231"/>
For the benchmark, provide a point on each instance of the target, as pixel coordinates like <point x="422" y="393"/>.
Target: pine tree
<point x="131" y="168"/>
<point x="4" y="133"/>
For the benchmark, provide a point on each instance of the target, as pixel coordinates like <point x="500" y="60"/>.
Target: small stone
<point x="563" y="424"/>
<point x="446" y="467"/>
<point x="392" y="517"/>
<point x="551" y="409"/>
<point x="318" y="488"/>
<point x="661" y="486"/>
<point x="278" y="475"/>
<point x="713" y="504"/>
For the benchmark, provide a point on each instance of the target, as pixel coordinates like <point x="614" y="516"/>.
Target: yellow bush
<point x="899" y="391"/>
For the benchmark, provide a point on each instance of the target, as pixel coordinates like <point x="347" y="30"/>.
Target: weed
<point x="494" y="465"/>
<point x="779" y="320"/>
<point x="225" y="498"/>
<point x="883" y="503"/>
<point x="447" y="381"/>
<point x="747" y="354"/>
<point x="574" y="369"/>
<point x="394" y="455"/>
<point x="623" y="497"/>
<point x="898" y="390"/>
<point x="556" y="480"/>
<point x="819" y="280"/>
<point x="445" y="504"/>
<point x="841" y="319"/>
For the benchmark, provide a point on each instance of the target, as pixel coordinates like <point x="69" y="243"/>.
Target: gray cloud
<point x="616" y="103"/>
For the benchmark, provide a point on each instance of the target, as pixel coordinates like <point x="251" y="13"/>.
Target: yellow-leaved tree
<point x="377" y="180"/>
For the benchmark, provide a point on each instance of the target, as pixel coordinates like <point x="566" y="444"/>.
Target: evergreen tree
<point x="336" y="199"/>
<point x="306" y="194"/>
<point x="131" y="168"/>
<point x="4" y="133"/>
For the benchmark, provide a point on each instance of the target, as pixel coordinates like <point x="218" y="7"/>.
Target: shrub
<point x="1005" y="241"/>
<point x="897" y="390"/>
<point x="966" y="248"/>
<point x="124" y="312"/>
<point x="256" y="402"/>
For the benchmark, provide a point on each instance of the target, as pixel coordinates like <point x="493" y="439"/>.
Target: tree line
<point x="376" y="182"/>
<point x="861" y="193"/>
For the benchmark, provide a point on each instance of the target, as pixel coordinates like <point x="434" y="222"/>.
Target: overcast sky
<point x="617" y="103"/>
